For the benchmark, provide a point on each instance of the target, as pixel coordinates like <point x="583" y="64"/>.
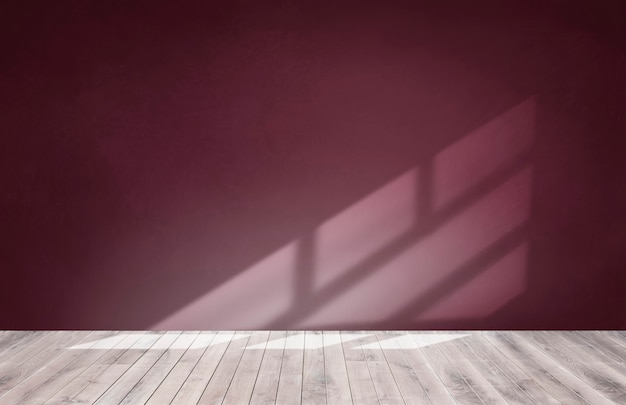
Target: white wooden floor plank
<point x="445" y="368"/>
<point x="575" y="384"/>
<point x="517" y="386"/>
<point x="603" y="343"/>
<point x="114" y="371"/>
<point x="386" y="386"/>
<point x="362" y="387"/>
<point x="242" y="384"/>
<point x="434" y="387"/>
<point x="335" y="371"/>
<point x="601" y="379"/>
<point x="25" y="354"/>
<point x="293" y="367"/>
<point x="146" y="386"/>
<point x="547" y="378"/>
<point x="170" y="386"/>
<point x="132" y="376"/>
<point x="193" y="387"/>
<point x="91" y="373"/>
<point x="216" y="389"/>
<point x="474" y="378"/>
<point x="406" y="379"/>
<point x="14" y="341"/>
<point x="313" y="374"/>
<point x="601" y="352"/>
<point x="508" y="390"/>
<point x="33" y="365"/>
<point x="290" y="380"/>
<point x="618" y="336"/>
<point x="266" y="385"/>
<point x="55" y="374"/>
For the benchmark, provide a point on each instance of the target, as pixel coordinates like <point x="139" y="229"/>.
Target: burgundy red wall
<point x="312" y="165"/>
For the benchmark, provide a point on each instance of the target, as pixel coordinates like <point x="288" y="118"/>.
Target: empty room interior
<point x="313" y="202"/>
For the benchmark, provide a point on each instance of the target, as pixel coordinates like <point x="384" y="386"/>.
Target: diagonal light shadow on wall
<point x="305" y="264"/>
<point x="465" y="273"/>
<point x="427" y="222"/>
<point x="307" y="304"/>
<point x="441" y="202"/>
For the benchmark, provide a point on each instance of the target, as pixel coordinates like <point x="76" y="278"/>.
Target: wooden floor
<point x="261" y="367"/>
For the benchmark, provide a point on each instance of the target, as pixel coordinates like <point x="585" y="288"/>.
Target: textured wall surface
<point x="332" y="164"/>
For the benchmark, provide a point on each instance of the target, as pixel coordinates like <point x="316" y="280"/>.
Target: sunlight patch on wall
<point x="376" y="261"/>
<point x="367" y="226"/>
<point x="477" y="156"/>
<point x="251" y="298"/>
<point x="432" y="258"/>
<point x="487" y="292"/>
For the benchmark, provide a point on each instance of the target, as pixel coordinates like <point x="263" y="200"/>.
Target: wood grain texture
<point x="313" y="373"/>
<point x="547" y="378"/>
<point x="146" y="386"/>
<point x="433" y="386"/>
<point x="242" y="384"/>
<point x="92" y="373"/>
<point x="513" y="383"/>
<point x="577" y="361"/>
<point x="337" y="382"/>
<point x="290" y="379"/>
<point x="329" y="367"/>
<point x="133" y="376"/>
<point x="445" y="368"/>
<point x="362" y="387"/>
<point x="406" y="379"/>
<point x="266" y="386"/>
<point x="116" y="369"/>
<point x="607" y="355"/>
<point x="218" y="385"/>
<point x="14" y="341"/>
<point x="474" y="378"/>
<point x="565" y="375"/>
<point x="169" y="387"/>
<point x="47" y="380"/>
<point x="194" y="385"/>
<point x="39" y="361"/>
<point x="384" y="381"/>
